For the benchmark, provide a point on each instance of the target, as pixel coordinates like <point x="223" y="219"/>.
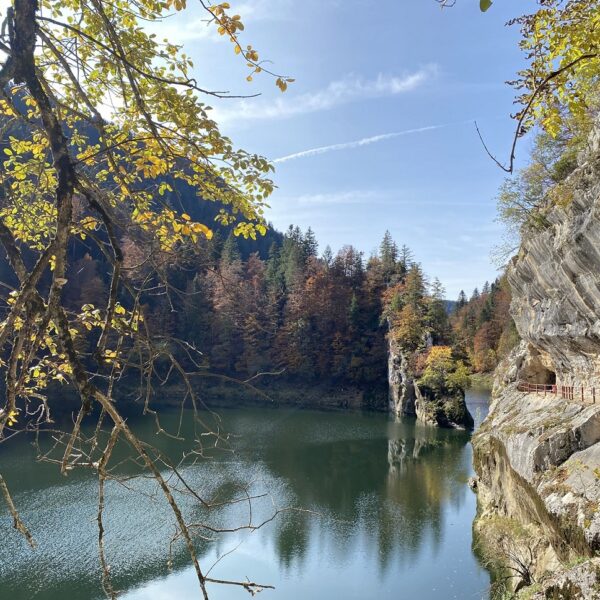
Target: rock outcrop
<point x="579" y="582"/>
<point x="537" y="457"/>
<point x="401" y="384"/>
<point x="407" y="399"/>
<point x="446" y="411"/>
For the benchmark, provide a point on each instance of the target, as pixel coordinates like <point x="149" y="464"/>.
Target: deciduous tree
<point x="101" y="123"/>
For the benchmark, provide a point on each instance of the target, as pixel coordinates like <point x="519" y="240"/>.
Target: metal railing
<point x="567" y="392"/>
<point x="536" y="388"/>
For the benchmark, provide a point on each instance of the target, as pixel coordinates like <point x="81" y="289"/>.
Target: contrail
<point x="364" y="142"/>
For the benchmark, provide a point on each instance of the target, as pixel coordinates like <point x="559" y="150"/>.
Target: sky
<point x="377" y="132"/>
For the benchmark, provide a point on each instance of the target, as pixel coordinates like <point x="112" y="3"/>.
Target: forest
<point x="290" y="313"/>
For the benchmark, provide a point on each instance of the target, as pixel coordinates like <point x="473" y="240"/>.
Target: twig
<point x="519" y="129"/>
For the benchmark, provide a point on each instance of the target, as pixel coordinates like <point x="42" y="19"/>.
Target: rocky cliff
<point x="537" y="456"/>
<point x="401" y="384"/>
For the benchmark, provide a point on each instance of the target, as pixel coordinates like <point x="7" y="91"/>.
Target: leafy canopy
<point x="107" y="125"/>
<point x="443" y="374"/>
<point x="561" y="42"/>
<point x="103" y="125"/>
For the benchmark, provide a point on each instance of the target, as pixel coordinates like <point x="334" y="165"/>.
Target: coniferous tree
<point x="405" y="260"/>
<point x="327" y="256"/>
<point x="231" y="250"/>
<point x="274" y="272"/>
<point x="292" y="257"/>
<point x="437" y="314"/>
<point x="388" y="253"/>
<point x="310" y="244"/>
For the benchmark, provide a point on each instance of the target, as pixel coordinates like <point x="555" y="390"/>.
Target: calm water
<point x="392" y="516"/>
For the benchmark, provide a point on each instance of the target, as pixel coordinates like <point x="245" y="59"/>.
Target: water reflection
<point x="388" y="501"/>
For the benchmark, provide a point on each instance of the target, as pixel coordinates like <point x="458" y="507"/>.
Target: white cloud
<point x="358" y="143"/>
<point x="338" y="92"/>
<point x="263" y="10"/>
<point x="393" y="196"/>
<point x="344" y="197"/>
<point x="178" y="29"/>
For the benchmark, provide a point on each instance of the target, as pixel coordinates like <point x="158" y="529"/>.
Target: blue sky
<point x="377" y="132"/>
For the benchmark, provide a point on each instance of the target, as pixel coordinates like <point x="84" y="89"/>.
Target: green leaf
<point x="484" y="4"/>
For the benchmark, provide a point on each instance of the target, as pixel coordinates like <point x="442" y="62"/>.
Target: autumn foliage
<point x="483" y="328"/>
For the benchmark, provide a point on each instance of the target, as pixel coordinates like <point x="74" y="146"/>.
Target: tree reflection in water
<point x="389" y="488"/>
<point x="379" y="491"/>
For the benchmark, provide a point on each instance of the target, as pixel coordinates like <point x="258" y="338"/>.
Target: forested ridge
<point x="483" y="328"/>
<point x="270" y="307"/>
<point x="318" y="316"/>
<point x="276" y="310"/>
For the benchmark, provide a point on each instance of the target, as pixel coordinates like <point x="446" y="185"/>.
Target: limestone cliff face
<point x="401" y="384"/>
<point x="556" y="283"/>
<point x="537" y="456"/>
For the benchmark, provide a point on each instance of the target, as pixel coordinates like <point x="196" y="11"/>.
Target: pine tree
<point x="310" y="244"/>
<point x="405" y="260"/>
<point x="274" y="274"/>
<point x="388" y="253"/>
<point x="437" y="314"/>
<point x="327" y="256"/>
<point x="214" y="247"/>
<point x="292" y="257"/>
<point x="415" y="288"/>
<point x="437" y="290"/>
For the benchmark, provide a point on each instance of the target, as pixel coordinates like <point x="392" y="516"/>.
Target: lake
<point x="387" y="514"/>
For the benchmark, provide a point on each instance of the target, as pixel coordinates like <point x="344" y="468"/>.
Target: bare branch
<point x="17" y="522"/>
